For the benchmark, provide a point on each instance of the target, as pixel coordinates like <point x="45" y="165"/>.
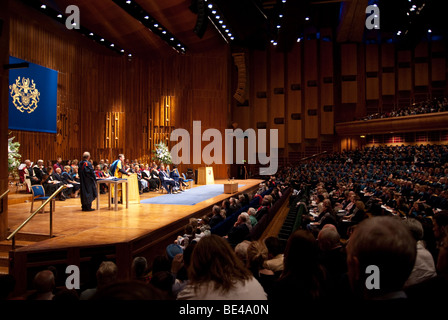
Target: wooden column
<point x="4" y="82"/>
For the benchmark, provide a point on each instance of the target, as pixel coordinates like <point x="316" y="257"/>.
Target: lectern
<point x="134" y="194"/>
<point x="205" y="175"/>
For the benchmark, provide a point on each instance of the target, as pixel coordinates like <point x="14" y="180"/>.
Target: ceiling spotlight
<point x="90" y="34"/>
<point x="429" y="30"/>
<point x="224" y="26"/>
<point x="210" y="6"/>
<point x="156" y="25"/>
<point x="307" y="18"/>
<point x="122" y="50"/>
<point x="227" y="30"/>
<point x="164" y="32"/>
<point x="172" y="39"/>
<point x="232" y="38"/>
<point x="275" y="43"/>
<point x="299" y="39"/>
<point x="59" y="15"/>
<point x="278" y="26"/>
<point x="398" y="33"/>
<point x="217" y="17"/>
<point x="129" y="55"/>
<point x="43" y="6"/>
<point x="220" y="21"/>
<point x="230" y="34"/>
<point x="112" y="45"/>
<point x="102" y="39"/>
<point x="213" y="11"/>
<point x="284" y="1"/>
<point x="280" y="16"/>
<point x="146" y="17"/>
<point x="128" y="2"/>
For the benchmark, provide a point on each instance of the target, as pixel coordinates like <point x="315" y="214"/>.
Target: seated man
<point x="57" y="175"/>
<point x="168" y="183"/>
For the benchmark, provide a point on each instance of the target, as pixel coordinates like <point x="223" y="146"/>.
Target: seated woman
<point x="51" y="185"/>
<point x="146" y="175"/>
<point x="176" y="176"/>
<point x="106" y="173"/>
<point x="100" y="175"/>
<point x="154" y="175"/>
<point x="74" y="189"/>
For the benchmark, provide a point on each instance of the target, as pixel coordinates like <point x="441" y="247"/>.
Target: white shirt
<point x="250" y="290"/>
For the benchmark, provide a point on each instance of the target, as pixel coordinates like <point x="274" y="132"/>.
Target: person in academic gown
<point x="88" y="183"/>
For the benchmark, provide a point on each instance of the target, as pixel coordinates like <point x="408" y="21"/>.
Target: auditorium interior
<point x="356" y="92"/>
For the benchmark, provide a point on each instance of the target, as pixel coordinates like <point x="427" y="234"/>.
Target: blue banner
<point x="32" y="98"/>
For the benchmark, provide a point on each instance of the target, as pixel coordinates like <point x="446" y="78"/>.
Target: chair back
<point x="38" y="191"/>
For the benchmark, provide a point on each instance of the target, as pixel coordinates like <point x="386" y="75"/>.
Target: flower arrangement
<point x="162" y="154"/>
<point x="13" y="156"/>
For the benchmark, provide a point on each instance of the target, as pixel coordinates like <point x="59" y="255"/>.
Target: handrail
<point x="313" y="156"/>
<point x="4" y="194"/>
<point x="13" y="234"/>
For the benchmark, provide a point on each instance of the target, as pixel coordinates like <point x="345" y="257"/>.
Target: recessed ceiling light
<point x="43" y="6"/>
<point x="210" y="6"/>
<point x="59" y="15"/>
<point x="146" y="17"/>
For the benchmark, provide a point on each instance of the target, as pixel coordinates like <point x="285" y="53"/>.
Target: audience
<point x="216" y="273"/>
<point x="380" y="206"/>
<point x="428" y="106"/>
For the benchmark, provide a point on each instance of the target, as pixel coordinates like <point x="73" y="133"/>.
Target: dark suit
<point x="88" y="184"/>
<point x="167" y="182"/>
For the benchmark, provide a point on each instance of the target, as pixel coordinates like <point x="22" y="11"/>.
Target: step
<point x="4" y="259"/>
<point x="6" y="245"/>
<point x="35" y="237"/>
<point x="4" y="270"/>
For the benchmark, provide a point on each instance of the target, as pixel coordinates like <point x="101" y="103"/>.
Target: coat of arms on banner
<point x="24" y="95"/>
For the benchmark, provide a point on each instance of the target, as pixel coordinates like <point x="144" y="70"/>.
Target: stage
<point x="141" y="229"/>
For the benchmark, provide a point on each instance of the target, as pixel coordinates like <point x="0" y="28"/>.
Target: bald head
<point x="44" y="281"/>
<point x="387" y="243"/>
<point x="328" y="239"/>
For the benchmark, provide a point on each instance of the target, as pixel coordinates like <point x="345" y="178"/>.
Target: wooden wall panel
<point x="438" y="69"/>
<point x="259" y="80"/>
<point x="326" y="88"/>
<point x="421" y="74"/>
<point x="372" y="61"/>
<point x="95" y="82"/>
<point x="311" y="90"/>
<point x="277" y="94"/>
<point x="294" y="106"/>
<point x="404" y="79"/>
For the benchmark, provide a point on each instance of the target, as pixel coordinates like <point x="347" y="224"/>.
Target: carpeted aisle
<point x="190" y="196"/>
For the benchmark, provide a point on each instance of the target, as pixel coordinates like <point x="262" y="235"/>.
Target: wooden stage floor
<point x="75" y="228"/>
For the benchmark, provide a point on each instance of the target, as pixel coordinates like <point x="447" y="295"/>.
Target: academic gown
<point x="88" y="184"/>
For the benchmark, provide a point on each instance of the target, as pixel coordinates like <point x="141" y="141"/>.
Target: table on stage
<point x="114" y="182"/>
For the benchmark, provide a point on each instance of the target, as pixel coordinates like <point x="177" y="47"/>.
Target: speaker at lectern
<point x="206" y="176"/>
